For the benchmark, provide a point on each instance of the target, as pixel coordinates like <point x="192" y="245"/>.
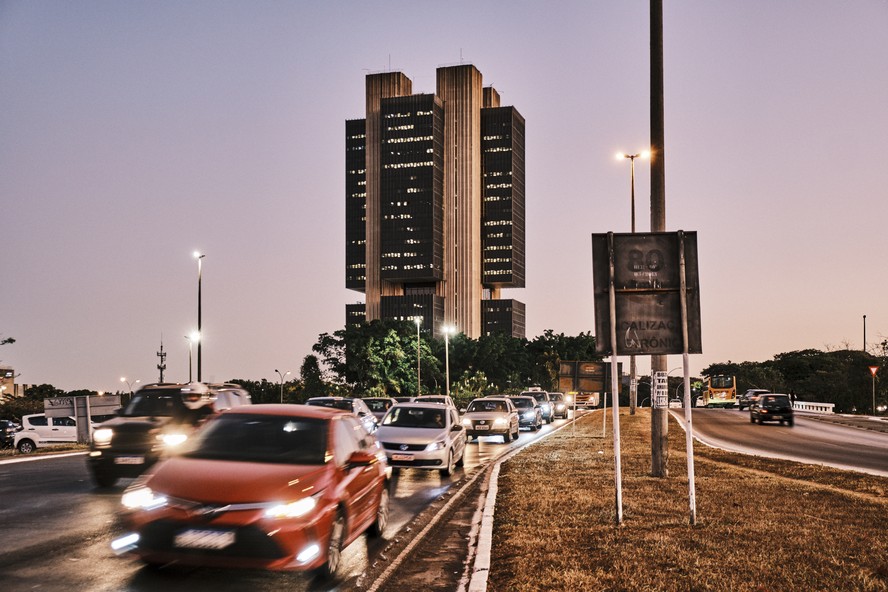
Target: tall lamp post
<point x="195" y="336"/>
<point x="199" y="257"/>
<point x="418" y="321"/>
<point x="282" y="381"/>
<point x="447" y="330"/>
<point x="129" y="384"/>
<point x="873" y="370"/>
<point x="633" y="380"/>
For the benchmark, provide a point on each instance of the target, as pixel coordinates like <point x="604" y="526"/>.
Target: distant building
<point x="435" y="205"/>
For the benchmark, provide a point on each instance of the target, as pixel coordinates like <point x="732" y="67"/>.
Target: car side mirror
<point x="462" y="410"/>
<point x="456" y="428"/>
<point x="361" y="458"/>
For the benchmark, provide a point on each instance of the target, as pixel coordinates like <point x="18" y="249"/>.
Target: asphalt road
<point x="57" y="528"/>
<point x="810" y="440"/>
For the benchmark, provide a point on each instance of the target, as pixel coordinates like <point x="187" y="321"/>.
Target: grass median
<point x="762" y="524"/>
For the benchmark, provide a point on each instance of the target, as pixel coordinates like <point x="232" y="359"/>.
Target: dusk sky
<point x="133" y="133"/>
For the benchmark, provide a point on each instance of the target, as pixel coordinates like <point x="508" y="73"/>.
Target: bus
<point x="720" y="391"/>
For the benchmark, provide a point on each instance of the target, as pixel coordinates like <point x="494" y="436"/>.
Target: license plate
<point x="129" y="460"/>
<point x="482" y="427"/>
<point x="402" y="457"/>
<point x="194" y="538"/>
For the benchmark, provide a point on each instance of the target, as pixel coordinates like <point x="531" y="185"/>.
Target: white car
<point x="423" y="436"/>
<point x="439" y="399"/>
<point x="492" y="416"/>
<point x="356" y="406"/>
<point x="39" y="431"/>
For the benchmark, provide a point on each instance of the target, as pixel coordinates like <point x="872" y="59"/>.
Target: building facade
<point x="435" y="205"/>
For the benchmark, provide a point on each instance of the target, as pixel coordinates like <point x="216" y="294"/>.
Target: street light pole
<point x="282" y="381"/>
<point x="447" y="329"/>
<point x="418" y="321"/>
<point x="195" y="336"/>
<point x="633" y="374"/>
<point x="199" y="257"/>
<point x="129" y="385"/>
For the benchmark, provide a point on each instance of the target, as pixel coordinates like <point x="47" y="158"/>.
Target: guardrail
<point x="813" y="407"/>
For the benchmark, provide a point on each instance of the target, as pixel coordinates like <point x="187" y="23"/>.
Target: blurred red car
<point x="263" y="486"/>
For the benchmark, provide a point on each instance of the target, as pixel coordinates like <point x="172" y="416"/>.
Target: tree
<point x="313" y="384"/>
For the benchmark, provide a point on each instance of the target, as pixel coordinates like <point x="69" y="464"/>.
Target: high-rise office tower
<point x="435" y="205"/>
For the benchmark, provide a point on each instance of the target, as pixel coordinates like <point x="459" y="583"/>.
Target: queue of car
<point x="217" y="481"/>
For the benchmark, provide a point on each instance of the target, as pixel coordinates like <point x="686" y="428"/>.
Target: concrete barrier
<point x="813" y="407"/>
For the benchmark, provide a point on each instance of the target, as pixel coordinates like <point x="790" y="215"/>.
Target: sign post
<point x="647" y="301"/>
<point x="873" y="370"/>
<point x="82" y="409"/>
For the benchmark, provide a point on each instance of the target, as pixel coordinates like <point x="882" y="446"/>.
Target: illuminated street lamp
<point x="633" y="382"/>
<point x="873" y="370"/>
<point x="282" y="381"/>
<point x="199" y="257"/>
<point x="418" y="321"/>
<point x="192" y="339"/>
<point x="129" y="384"/>
<point x="447" y="330"/>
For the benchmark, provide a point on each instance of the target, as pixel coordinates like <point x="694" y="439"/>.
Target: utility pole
<point x="659" y="416"/>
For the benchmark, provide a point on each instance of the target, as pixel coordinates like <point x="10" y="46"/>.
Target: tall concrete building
<point x="435" y="205"/>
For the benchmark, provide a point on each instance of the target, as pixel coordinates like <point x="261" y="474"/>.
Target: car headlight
<point x="143" y="498"/>
<point x="171" y="440"/>
<point x="501" y="421"/>
<point x="529" y="415"/>
<point x="467" y="422"/>
<point x="293" y="509"/>
<point x="439" y="445"/>
<point x="103" y="436"/>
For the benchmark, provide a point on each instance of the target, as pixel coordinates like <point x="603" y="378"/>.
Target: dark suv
<point x="157" y="419"/>
<point x="771" y="407"/>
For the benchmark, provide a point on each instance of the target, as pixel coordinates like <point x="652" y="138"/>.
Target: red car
<point x="262" y="486"/>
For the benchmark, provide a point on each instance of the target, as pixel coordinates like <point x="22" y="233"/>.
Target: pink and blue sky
<point x="133" y="133"/>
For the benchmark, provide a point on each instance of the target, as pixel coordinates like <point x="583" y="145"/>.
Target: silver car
<point x="356" y="406"/>
<point x="423" y="436"/>
<point x="492" y="416"/>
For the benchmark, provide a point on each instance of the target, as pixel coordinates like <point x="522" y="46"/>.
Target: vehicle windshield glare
<point x="487" y="406"/>
<point x="523" y="403"/>
<point x="414" y="417"/>
<point x="261" y="438"/>
<point x="344" y="404"/>
<point x="166" y="403"/>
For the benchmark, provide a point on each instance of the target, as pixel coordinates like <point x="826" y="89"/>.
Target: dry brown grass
<point x="763" y="524"/>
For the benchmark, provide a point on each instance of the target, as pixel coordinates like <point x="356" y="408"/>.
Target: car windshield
<point x="523" y="403"/>
<point x="378" y="404"/>
<point x="433" y="400"/>
<point x="344" y="404"/>
<point x="414" y="417"/>
<point x="479" y="405"/>
<point x="541" y="397"/>
<point x="277" y="439"/>
<point x="556" y="397"/>
<point x="165" y="403"/>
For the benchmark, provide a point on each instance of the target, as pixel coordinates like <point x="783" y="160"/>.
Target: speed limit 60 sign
<point x="647" y="271"/>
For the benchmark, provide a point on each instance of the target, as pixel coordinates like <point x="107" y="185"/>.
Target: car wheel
<point x="462" y="459"/>
<point x="751" y="419"/>
<point x="334" y="547"/>
<point x="104" y="479"/>
<point x="789" y="422"/>
<point x="382" y="513"/>
<point x="515" y="434"/>
<point x="448" y="470"/>
<point x="26" y="447"/>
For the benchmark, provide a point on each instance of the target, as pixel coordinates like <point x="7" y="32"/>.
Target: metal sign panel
<point x="65" y="406"/>
<point x="585" y="377"/>
<point x="647" y="289"/>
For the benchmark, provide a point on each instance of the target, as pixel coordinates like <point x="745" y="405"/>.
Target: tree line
<point x="379" y="358"/>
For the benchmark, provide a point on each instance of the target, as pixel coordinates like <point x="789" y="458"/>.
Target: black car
<point x="7" y="432"/>
<point x="159" y="418"/>
<point x="529" y="413"/>
<point x="772" y="407"/>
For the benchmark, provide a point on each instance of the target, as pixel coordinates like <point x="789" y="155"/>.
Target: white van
<point x="38" y="431"/>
